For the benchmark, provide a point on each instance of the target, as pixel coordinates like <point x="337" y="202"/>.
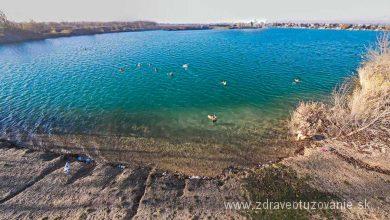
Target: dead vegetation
<point x="360" y="107"/>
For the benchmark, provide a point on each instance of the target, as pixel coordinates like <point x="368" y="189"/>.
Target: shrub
<point x="361" y="105"/>
<point x="308" y="120"/>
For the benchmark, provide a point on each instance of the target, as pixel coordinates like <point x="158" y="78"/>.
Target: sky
<point x="198" y="11"/>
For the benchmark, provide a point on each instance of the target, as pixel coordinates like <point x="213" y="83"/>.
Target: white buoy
<point x="224" y="82"/>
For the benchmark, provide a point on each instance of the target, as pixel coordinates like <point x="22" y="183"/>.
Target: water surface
<point x="73" y="86"/>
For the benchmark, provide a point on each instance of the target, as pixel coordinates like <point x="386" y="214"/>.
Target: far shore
<point x="12" y="32"/>
<point x="18" y="35"/>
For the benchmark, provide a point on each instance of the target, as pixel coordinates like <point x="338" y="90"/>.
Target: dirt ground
<point x="351" y="181"/>
<point x="34" y="186"/>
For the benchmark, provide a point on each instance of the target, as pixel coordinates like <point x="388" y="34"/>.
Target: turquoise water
<point x="74" y="86"/>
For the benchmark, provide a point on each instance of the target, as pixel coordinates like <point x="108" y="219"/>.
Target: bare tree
<point x="3" y="20"/>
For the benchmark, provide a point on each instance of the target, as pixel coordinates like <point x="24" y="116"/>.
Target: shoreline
<point x="26" y="37"/>
<point x="105" y="190"/>
<point x="37" y="37"/>
<point x="73" y="155"/>
<point x="67" y="153"/>
<point x="191" y="158"/>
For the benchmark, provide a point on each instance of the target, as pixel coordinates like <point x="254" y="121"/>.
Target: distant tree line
<point x="70" y="27"/>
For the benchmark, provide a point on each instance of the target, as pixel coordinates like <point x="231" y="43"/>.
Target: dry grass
<point x="308" y="119"/>
<point x="360" y="107"/>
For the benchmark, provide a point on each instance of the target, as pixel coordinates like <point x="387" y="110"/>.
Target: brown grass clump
<point x="360" y="106"/>
<point x="308" y="119"/>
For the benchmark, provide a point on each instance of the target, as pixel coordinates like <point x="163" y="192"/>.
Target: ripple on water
<point x="72" y="86"/>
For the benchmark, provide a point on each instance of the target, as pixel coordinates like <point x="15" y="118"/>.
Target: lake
<point x="90" y="90"/>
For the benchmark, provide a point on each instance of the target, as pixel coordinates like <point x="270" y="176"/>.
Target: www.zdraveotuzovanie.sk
<point x="312" y="205"/>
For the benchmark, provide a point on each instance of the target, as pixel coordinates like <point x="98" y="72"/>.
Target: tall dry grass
<point x="360" y="107"/>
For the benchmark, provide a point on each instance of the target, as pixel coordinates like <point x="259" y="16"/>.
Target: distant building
<point x="249" y="24"/>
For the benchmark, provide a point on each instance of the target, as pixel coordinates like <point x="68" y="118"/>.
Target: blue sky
<point x="198" y="11"/>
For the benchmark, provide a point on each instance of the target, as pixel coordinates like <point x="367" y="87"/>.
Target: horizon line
<point x="296" y="21"/>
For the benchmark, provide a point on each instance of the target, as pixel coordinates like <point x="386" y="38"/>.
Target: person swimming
<point x="170" y="74"/>
<point x="224" y="82"/>
<point x="213" y="118"/>
<point x="121" y="70"/>
<point x="139" y="65"/>
<point x="185" y="66"/>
